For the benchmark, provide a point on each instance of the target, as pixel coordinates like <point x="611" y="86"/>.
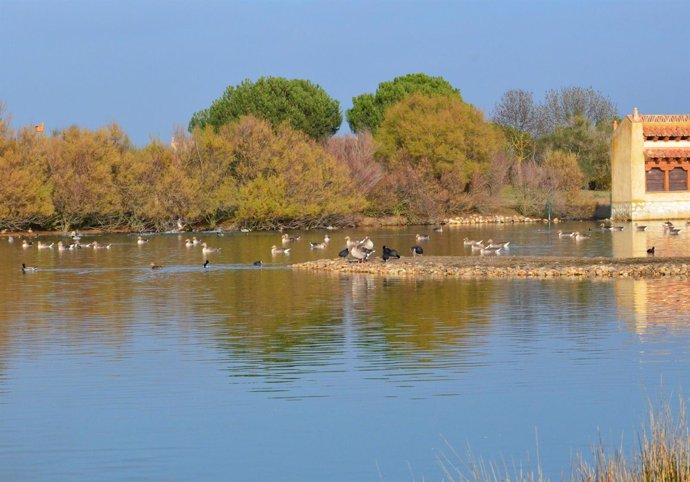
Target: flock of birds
<point x="357" y="250"/>
<point x="668" y="227"/>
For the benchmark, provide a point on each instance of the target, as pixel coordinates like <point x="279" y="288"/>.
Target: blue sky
<point x="149" y="64"/>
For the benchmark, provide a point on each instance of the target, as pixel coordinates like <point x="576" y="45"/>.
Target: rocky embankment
<point x="509" y="267"/>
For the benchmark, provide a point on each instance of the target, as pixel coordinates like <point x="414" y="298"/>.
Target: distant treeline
<point x="264" y="155"/>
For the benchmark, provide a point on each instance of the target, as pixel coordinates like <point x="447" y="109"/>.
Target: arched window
<point x="655" y="180"/>
<point x="677" y="179"/>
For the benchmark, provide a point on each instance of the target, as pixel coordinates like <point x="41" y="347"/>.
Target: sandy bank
<point x="510" y="267"/>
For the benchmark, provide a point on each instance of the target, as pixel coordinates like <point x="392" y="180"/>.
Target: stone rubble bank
<point x="510" y="267"/>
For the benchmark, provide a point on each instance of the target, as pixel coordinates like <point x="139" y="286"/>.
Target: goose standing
<point x="361" y="253"/>
<point x="350" y="243"/>
<point x="367" y="243"/>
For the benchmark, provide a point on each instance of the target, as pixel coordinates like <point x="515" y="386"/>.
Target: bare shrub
<point x="356" y="152"/>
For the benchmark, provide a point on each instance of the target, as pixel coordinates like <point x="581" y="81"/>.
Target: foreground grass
<point x="662" y="455"/>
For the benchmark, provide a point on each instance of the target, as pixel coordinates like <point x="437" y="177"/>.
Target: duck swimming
<point x="276" y="250"/>
<point x="206" y="249"/>
<point x="28" y="269"/>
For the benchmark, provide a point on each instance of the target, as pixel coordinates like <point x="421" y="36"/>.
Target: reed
<point x="662" y="455"/>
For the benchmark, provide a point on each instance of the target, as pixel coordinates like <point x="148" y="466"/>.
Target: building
<point x="650" y="167"/>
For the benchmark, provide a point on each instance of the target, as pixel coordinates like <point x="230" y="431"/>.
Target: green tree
<point x="304" y="105"/>
<point x="368" y="110"/>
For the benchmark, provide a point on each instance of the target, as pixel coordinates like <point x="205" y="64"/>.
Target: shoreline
<point x="510" y="267"/>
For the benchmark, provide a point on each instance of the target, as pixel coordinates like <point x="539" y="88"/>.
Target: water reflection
<point x="259" y="360"/>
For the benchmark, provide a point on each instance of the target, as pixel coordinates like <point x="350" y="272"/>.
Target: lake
<point x="112" y="371"/>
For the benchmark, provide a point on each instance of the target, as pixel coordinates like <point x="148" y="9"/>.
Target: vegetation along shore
<point x="264" y="155"/>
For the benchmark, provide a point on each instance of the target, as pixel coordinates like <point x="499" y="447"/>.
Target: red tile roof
<point x="666" y="130"/>
<point x="682" y="153"/>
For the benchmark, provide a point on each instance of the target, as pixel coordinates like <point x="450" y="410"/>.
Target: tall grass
<point x="662" y="454"/>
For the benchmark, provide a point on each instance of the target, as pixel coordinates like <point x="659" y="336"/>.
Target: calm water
<point x="112" y="371"/>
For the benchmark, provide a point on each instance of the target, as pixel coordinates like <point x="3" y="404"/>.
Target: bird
<point x="326" y="238"/>
<point x="580" y="237"/>
<point x="26" y="243"/>
<point x="195" y="241"/>
<point x="188" y="243"/>
<point x="257" y="263"/>
<point x="276" y="250"/>
<point x="422" y="237"/>
<point x="561" y="234"/>
<point x="389" y="253"/>
<point x="206" y="264"/>
<point x="245" y="230"/>
<point x="61" y="246"/>
<point x="205" y="249"/>
<point x="650" y="250"/>
<point x="495" y="250"/>
<point x="45" y="245"/>
<point x="10" y="239"/>
<point x="366" y="243"/>
<point x="97" y="245"/>
<point x="438" y="229"/>
<point x="640" y="228"/>
<point x="361" y="253"/>
<point x="416" y="250"/>
<point x="470" y="242"/>
<point x="156" y="266"/>
<point x="289" y="239"/>
<point x="27" y="269"/>
<point x="497" y="244"/>
<point x="141" y="240"/>
<point x="350" y="243"/>
<point x="343" y="253"/>
<point x="478" y="246"/>
<point x="314" y="245"/>
<point x="673" y="231"/>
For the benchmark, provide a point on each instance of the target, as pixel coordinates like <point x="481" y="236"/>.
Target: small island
<point x="520" y="267"/>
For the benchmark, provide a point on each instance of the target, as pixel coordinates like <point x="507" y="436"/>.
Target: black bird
<point x="344" y="253"/>
<point x="206" y="264"/>
<point x="258" y="263"/>
<point x="650" y="250"/>
<point x="389" y="253"/>
<point x="416" y="250"/>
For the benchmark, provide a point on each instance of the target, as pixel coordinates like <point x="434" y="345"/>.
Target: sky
<point x="150" y="64"/>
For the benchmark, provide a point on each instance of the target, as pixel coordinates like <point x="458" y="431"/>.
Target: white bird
<point x="276" y="250"/>
<point x="205" y="249"/>
<point x="141" y="240"/>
